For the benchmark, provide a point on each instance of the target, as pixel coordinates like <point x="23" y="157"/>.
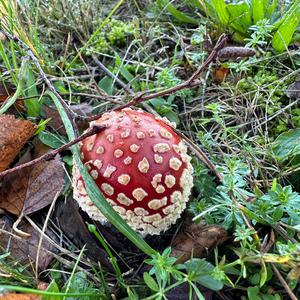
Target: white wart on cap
<point x="142" y="168"/>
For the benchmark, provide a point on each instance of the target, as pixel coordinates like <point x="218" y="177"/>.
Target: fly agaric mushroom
<point x="142" y="168"/>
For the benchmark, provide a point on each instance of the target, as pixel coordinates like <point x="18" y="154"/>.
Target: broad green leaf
<point x="258" y="10"/>
<point x="177" y="14"/>
<point x="287" y="144"/>
<point x="220" y="8"/>
<point x="94" y="192"/>
<point x="270" y="8"/>
<point x="287" y="28"/>
<point x="239" y="16"/>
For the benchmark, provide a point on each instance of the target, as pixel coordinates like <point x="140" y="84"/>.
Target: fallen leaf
<point x="32" y="188"/>
<point x="83" y="109"/>
<point x="197" y="240"/>
<point x="71" y="223"/>
<point x="220" y="74"/>
<point x="15" y="296"/>
<point x="293" y="91"/>
<point x="14" y="133"/>
<point x="25" y="250"/>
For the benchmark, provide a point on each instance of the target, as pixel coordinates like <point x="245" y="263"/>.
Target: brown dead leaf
<point x="82" y="109"/>
<point x="15" y="296"/>
<point x="14" y="133"/>
<point x="73" y="226"/>
<point x="197" y="240"/>
<point x="220" y="74"/>
<point x="32" y="188"/>
<point x="293" y="91"/>
<point x="25" y="250"/>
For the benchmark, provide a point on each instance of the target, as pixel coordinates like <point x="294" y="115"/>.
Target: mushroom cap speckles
<point x="124" y="179"/>
<point x="141" y="166"/>
<point x="118" y="153"/>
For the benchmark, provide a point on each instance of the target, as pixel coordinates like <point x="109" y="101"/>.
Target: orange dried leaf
<point x="14" y="133"/>
<point x="15" y="296"/>
<point x="220" y="74"/>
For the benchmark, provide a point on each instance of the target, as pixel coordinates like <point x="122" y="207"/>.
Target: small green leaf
<point x="52" y="287"/>
<point x="263" y="273"/>
<point x="106" y="84"/>
<point x="200" y="270"/>
<point x="287" y="144"/>
<point x="252" y="293"/>
<point x="52" y="140"/>
<point x="151" y="283"/>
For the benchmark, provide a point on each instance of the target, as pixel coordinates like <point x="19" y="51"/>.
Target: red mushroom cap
<point x="142" y="168"/>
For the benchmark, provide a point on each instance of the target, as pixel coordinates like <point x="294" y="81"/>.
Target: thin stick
<point x="112" y="75"/>
<point x="283" y="282"/>
<point x="51" y="155"/>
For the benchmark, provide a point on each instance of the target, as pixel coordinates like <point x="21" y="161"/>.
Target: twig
<point x="30" y="53"/>
<point x="190" y="83"/>
<point x="200" y="154"/>
<point x="112" y="75"/>
<point x="51" y="155"/>
<point x="283" y="282"/>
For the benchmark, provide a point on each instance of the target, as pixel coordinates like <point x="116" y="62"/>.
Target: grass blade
<point x="177" y="14"/>
<point x="95" y="194"/>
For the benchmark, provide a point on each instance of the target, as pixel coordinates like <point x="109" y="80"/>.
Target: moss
<point x="114" y="34"/>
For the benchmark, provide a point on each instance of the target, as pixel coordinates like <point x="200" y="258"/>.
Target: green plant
<point x="241" y="16"/>
<point x="165" y="275"/>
